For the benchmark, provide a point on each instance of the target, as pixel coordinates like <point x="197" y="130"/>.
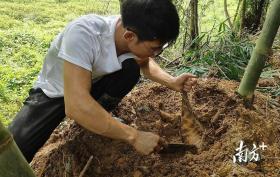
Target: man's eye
<point x="156" y="48"/>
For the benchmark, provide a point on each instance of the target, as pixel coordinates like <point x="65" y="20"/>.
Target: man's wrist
<point x="132" y="135"/>
<point x="171" y="82"/>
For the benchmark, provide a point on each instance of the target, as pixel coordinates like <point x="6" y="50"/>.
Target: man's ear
<point x="129" y="36"/>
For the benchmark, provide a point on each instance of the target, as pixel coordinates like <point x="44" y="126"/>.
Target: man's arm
<point x="152" y="70"/>
<point x="81" y="107"/>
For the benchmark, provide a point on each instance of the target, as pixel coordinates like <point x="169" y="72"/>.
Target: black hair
<point x="151" y="19"/>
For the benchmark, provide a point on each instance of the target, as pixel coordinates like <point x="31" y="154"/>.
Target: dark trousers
<point x="40" y="115"/>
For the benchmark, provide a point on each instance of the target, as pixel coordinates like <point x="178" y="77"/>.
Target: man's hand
<point x="184" y="82"/>
<point x="145" y="142"/>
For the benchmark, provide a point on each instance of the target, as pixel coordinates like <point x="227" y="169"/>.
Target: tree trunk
<point x="250" y="15"/>
<point x="194" y="23"/>
<point x="242" y="17"/>
<point x="227" y="15"/>
<point x="187" y="27"/>
<point x="12" y="162"/>
<point x="237" y="11"/>
<point x="258" y="16"/>
<point x="260" y="52"/>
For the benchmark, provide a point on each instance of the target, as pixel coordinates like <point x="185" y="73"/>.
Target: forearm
<point x="152" y="71"/>
<point x="90" y="115"/>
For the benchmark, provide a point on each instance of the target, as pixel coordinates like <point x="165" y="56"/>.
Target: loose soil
<point x="150" y="107"/>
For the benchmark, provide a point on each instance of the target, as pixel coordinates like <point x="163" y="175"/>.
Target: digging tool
<point x="172" y="148"/>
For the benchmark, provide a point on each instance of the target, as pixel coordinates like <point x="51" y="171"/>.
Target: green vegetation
<point x="223" y="53"/>
<point x="28" y="26"/>
<point x="26" y="29"/>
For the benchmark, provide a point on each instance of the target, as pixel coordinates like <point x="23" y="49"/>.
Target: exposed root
<point x="86" y="167"/>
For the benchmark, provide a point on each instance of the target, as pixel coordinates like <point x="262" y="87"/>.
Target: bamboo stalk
<point x="261" y="52"/>
<point x="12" y="162"/>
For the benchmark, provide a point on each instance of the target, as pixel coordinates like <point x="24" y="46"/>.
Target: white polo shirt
<point x="87" y="42"/>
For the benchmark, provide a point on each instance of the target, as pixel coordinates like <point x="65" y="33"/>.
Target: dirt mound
<point x="155" y="108"/>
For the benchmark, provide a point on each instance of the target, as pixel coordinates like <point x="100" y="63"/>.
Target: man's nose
<point x="157" y="52"/>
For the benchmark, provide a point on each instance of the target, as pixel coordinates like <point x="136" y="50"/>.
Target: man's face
<point x="144" y="49"/>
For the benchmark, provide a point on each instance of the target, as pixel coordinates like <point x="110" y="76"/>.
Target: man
<point x="91" y="65"/>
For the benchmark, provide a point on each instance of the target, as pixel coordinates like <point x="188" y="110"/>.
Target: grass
<point x="26" y="29"/>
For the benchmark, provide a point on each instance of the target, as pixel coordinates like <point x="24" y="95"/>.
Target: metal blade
<point x="178" y="148"/>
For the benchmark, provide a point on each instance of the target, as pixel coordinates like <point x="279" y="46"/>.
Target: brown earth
<point x="275" y="59"/>
<point x="151" y="107"/>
